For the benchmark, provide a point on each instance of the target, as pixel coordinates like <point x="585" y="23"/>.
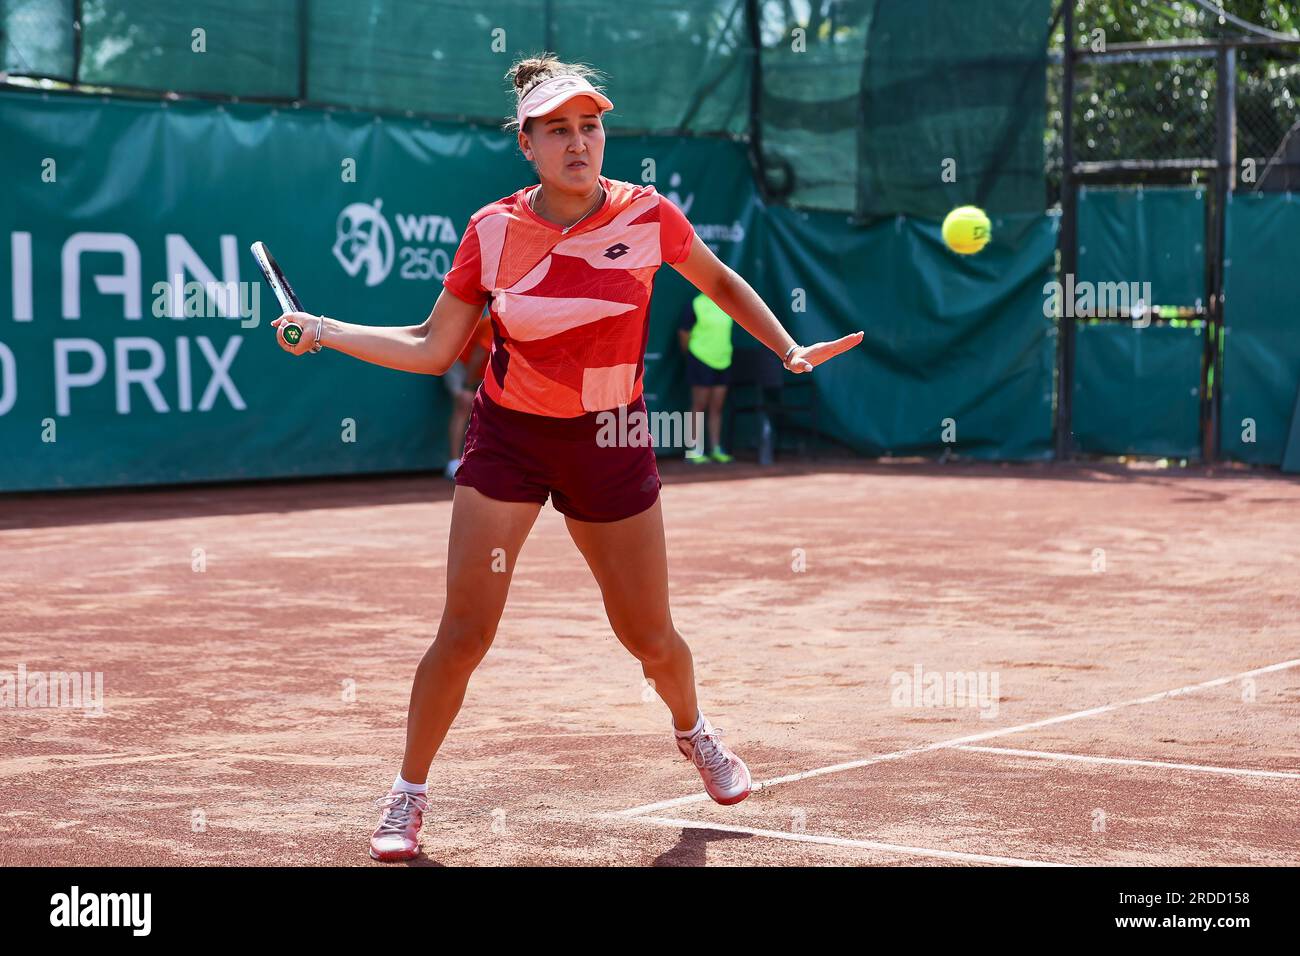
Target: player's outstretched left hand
<point x="806" y="357"/>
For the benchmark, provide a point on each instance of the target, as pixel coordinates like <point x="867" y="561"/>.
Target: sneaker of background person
<point x="720" y="456"/>
<point x="697" y="457"/>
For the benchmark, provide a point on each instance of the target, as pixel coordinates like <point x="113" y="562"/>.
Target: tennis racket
<point x="280" y="286"/>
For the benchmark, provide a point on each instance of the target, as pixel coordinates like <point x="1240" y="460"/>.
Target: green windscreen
<point x="1145" y="235"/>
<point x="1261" y="335"/>
<point x="1137" y="390"/>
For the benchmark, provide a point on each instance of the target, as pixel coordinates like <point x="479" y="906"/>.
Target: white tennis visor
<point x="551" y="94"/>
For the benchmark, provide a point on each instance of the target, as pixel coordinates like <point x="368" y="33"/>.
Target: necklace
<point x="532" y="204"/>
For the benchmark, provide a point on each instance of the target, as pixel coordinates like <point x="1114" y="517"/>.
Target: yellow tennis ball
<point x="967" y="230"/>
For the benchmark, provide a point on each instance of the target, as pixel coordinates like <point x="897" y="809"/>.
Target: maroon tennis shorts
<point x="515" y="456"/>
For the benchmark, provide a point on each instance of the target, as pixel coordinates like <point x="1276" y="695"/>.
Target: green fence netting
<point x="673" y="65"/>
<point x="1137" y="391"/>
<point x="886" y="107"/>
<point x="945" y="84"/>
<point x="400" y="55"/>
<point x="681" y="67"/>
<point x="1145" y="235"/>
<point x="233" y="47"/>
<point x="1261" y="333"/>
<point x="811" y="81"/>
<point x="101" y="385"/>
<point x="37" y="38"/>
<point x="876" y="107"/>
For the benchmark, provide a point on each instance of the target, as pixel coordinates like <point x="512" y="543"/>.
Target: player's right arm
<point x="429" y="348"/>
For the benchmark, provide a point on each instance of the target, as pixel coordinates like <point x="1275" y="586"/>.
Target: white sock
<point x="699" y="725"/>
<point x="405" y="786"/>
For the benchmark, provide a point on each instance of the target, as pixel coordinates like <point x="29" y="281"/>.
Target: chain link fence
<point x="1149" y="116"/>
<point x="1268" y="112"/>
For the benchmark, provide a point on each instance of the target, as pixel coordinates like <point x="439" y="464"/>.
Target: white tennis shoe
<point x="726" y="778"/>
<point x="398" y="835"/>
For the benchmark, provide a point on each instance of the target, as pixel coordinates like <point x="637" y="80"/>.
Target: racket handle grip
<point x="292" y="332"/>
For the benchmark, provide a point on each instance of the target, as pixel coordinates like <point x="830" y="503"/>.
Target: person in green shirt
<point x="705" y="335"/>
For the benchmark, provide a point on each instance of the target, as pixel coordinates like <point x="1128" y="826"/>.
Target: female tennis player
<point x="567" y="266"/>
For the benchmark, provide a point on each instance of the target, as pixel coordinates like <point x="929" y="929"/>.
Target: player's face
<point x="568" y="146"/>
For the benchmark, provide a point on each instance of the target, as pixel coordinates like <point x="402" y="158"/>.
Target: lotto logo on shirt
<point x="367" y="248"/>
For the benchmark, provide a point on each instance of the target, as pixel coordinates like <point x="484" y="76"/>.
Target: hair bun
<point x="533" y="68"/>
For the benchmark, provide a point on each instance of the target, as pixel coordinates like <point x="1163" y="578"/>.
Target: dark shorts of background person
<point x="515" y="456"/>
<point x="701" y="375"/>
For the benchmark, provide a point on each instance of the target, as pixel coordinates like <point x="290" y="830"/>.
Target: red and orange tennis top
<point x="570" y="310"/>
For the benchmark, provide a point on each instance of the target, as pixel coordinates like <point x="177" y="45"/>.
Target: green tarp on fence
<point x="1145" y="235"/>
<point x="1261" y="334"/>
<point x="1137" y="391"/>
<point x="948" y="339"/>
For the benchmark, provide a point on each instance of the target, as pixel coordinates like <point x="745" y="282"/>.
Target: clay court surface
<point x="1146" y="713"/>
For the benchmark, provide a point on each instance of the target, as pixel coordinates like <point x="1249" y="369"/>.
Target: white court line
<point x="844" y="841"/>
<point x="971" y="739"/>
<point x="1088" y="758"/>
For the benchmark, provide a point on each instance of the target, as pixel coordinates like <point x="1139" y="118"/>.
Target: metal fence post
<point x="303" y="52"/>
<point x="1067" y="243"/>
<point x="1225" y="179"/>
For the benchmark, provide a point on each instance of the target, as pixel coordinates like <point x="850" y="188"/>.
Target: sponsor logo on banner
<point x="364" y="242"/>
<point x="712" y="233"/>
<point x="366" y="245"/>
